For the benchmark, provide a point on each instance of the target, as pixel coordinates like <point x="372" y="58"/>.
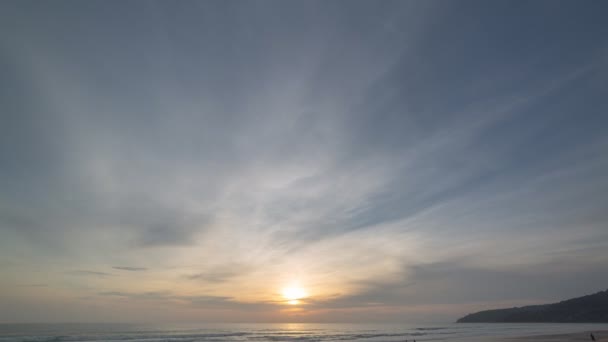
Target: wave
<point x="270" y="333"/>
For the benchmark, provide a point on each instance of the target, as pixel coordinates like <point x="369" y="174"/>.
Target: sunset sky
<point x="300" y="161"/>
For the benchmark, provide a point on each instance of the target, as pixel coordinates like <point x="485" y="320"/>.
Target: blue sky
<point x="397" y="160"/>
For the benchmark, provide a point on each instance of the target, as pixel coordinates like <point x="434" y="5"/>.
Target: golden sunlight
<point x="293" y="294"/>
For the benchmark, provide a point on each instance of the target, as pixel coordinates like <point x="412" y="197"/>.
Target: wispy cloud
<point x="150" y="295"/>
<point x="34" y="285"/>
<point x="89" y="273"/>
<point x="220" y="274"/>
<point x="207" y="301"/>
<point x="129" y="268"/>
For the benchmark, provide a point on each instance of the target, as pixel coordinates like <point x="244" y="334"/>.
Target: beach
<point x="600" y="336"/>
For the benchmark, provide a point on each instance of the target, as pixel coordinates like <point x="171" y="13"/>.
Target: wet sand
<point x="600" y="336"/>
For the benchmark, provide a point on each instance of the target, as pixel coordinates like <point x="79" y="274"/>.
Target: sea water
<point x="304" y="332"/>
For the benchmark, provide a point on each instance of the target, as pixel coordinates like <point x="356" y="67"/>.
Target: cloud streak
<point x="89" y="273"/>
<point x="130" y="268"/>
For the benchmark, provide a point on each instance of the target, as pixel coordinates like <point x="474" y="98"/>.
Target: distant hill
<point x="587" y="309"/>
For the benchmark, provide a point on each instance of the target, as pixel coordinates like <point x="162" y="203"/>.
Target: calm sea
<point x="277" y="332"/>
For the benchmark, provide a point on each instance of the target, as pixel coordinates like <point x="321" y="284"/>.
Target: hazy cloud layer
<point x="432" y="157"/>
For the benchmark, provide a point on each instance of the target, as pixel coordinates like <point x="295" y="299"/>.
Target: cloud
<point x="229" y="303"/>
<point x="205" y="301"/>
<point x="35" y="285"/>
<point x="221" y="274"/>
<point x="89" y="273"/>
<point x="215" y="277"/>
<point x="130" y="268"/>
<point x="150" y="295"/>
<point x="456" y="283"/>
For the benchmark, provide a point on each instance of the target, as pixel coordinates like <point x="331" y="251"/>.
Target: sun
<point x="293" y="294"/>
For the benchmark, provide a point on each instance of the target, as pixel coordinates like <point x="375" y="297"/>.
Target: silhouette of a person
<point x="592" y="337"/>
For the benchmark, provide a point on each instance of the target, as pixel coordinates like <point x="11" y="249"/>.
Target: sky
<point x="403" y="161"/>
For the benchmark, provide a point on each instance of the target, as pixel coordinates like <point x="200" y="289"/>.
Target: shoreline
<point x="600" y="336"/>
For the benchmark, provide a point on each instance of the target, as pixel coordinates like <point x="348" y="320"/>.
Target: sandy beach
<point x="600" y="336"/>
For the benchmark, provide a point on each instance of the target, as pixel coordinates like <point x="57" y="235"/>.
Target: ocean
<point x="304" y="332"/>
